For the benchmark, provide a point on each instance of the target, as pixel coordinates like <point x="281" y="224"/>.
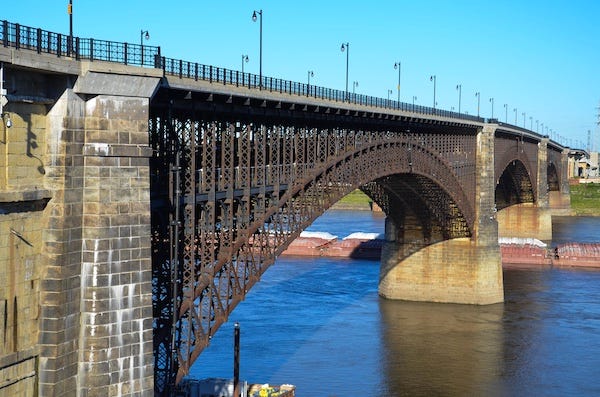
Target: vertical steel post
<point x="236" y="360"/>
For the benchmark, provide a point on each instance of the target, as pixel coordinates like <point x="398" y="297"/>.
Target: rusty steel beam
<point x="241" y="189"/>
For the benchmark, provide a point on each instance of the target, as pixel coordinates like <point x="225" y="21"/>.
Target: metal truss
<point x="230" y="194"/>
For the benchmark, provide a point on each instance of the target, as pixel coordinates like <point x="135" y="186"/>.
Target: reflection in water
<point x="443" y="349"/>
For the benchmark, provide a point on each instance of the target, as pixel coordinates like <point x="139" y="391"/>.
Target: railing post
<point x="180" y="68"/>
<point x="91" y="50"/>
<point x="39" y="41"/>
<point x="5" y="33"/>
<point x="210" y="68"/>
<point x="58" y="44"/>
<point x="77" y="48"/>
<point x="196" y="71"/>
<point x="125" y="53"/>
<point x="17" y="36"/>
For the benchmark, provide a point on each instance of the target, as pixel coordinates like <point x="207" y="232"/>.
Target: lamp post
<point x="459" y="88"/>
<point x="260" y="47"/>
<point x="346" y="47"/>
<point x="389" y="92"/>
<point x="434" y="79"/>
<point x="245" y="59"/>
<point x="515" y="109"/>
<point x="542" y="124"/>
<point x="492" y="101"/>
<point x="478" y="95"/>
<point x="144" y="34"/>
<point x="70" y="12"/>
<point x="354" y="85"/>
<point x="398" y="65"/>
<point x="310" y="74"/>
<point x="523" y="114"/>
<point x="537" y="126"/>
<point x="506" y="112"/>
<point x="530" y="123"/>
<point x="414" y="98"/>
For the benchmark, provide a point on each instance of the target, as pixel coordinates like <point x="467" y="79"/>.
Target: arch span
<point x="246" y="191"/>
<point x="514" y="186"/>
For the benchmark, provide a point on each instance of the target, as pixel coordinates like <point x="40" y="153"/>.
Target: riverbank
<point x="585" y="199"/>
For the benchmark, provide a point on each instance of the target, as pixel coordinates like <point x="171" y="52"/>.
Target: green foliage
<point x="585" y="199"/>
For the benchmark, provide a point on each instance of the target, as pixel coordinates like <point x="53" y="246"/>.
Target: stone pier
<point x="75" y="248"/>
<point x="464" y="270"/>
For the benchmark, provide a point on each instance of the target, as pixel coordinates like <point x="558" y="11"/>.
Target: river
<point x="318" y="323"/>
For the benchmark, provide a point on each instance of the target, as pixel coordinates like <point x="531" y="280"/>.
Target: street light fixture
<point x="389" y="92"/>
<point x="310" y="74"/>
<point x="506" y="112"/>
<point x="354" y="85"/>
<point x="245" y="59"/>
<point x="398" y="65"/>
<point x="414" y="98"/>
<point x="492" y="101"/>
<point x="434" y="79"/>
<point x="523" y="114"/>
<point x="515" y="109"/>
<point x="478" y="95"/>
<point x="144" y="34"/>
<point x="530" y="123"/>
<point x="346" y="47"/>
<point x="260" y="55"/>
<point x="459" y="88"/>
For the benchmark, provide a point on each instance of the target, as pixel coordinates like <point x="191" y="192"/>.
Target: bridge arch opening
<point x="514" y="186"/>
<point x="553" y="179"/>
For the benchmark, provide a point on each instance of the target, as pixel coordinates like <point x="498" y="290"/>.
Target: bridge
<point x="142" y="197"/>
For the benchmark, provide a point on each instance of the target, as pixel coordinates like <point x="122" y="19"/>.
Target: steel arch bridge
<point x="236" y="179"/>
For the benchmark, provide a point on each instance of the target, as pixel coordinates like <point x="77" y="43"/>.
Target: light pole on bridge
<point x="434" y="79"/>
<point x="537" y="126"/>
<point x="260" y="12"/>
<point x="478" y="95"/>
<point x="310" y="74"/>
<point x="389" y="92"/>
<point x="523" y="114"/>
<point x="245" y="59"/>
<point x="398" y="65"/>
<point x="506" y="112"/>
<point x="354" y="85"/>
<point x="70" y="12"/>
<point x="414" y="98"/>
<point x="492" y="101"/>
<point x="515" y="109"/>
<point x="459" y="89"/>
<point x="144" y="34"/>
<point x="530" y="123"/>
<point x="346" y="47"/>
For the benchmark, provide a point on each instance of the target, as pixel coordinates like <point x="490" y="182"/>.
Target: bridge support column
<point x="96" y="326"/>
<point x="460" y="270"/>
<point x="565" y="189"/>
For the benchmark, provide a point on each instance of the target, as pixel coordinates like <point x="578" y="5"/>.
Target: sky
<point x="541" y="58"/>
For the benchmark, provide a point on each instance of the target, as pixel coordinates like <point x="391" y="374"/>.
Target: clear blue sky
<point x="540" y="57"/>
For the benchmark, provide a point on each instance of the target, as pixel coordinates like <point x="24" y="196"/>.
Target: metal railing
<point x="19" y="36"/>
<point x="42" y="41"/>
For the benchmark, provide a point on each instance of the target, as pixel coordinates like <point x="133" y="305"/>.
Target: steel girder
<point x="238" y="192"/>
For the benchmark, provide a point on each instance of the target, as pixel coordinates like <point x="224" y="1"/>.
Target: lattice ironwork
<point x="241" y="191"/>
<point x="511" y="151"/>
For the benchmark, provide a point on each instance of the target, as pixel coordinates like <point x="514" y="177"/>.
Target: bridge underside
<point x="230" y="192"/>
